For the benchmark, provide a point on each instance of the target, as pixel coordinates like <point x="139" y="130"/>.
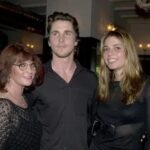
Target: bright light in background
<point x="148" y="45"/>
<point x="34" y="39"/>
<point x="140" y="46"/>
<point x="111" y="27"/>
<point x="144" y="46"/>
<point x="30" y="45"/>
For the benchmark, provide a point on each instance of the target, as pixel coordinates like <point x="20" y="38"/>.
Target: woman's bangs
<point x="23" y="57"/>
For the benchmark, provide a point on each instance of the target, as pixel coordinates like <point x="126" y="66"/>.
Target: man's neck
<point x="64" y="68"/>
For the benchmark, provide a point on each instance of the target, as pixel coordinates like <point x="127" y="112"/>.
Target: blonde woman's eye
<point x="105" y="49"/>
<point x="118" y="48"/>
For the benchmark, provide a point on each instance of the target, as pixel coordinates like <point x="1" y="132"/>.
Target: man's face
<point x="62" y="39"/>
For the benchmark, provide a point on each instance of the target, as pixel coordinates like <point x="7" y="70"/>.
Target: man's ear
<point x="76" y="42"/>
<point x="49" y="44"/>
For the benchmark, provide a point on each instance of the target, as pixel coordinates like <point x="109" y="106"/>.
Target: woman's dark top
<point x="19" y="130"/>
<point x="122" y="126"/>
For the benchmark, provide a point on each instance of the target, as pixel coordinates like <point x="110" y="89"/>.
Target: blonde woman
<point x="123" y="110"/>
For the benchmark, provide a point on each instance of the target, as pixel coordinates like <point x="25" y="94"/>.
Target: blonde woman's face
<point x="114" y="54"/>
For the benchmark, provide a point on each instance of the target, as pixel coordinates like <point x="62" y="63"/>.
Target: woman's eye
<point x="33" y="65"/>
<point x="22" y="65"/>
<point x="118" y="48"/>
<point x="105" y="49"/>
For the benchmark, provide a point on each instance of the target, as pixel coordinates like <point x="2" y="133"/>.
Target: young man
<point x="64" y="101"/>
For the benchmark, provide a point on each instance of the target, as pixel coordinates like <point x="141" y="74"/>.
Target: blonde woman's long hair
<point x="132" y="81"/>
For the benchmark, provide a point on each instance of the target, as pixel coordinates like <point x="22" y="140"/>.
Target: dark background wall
<point x="3" y="40"/>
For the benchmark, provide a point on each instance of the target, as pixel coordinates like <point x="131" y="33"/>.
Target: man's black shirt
<point x="63" y="109"/>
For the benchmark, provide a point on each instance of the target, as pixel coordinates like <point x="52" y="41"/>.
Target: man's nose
<point x="61" y="38"/>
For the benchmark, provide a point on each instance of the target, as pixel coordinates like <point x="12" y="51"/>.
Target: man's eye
<point x="68" y="33"/>
<point x="54" y="33"/>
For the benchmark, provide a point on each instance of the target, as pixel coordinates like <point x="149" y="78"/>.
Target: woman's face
<point x="114" y="54"/>
<point x="23" y="73"/>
